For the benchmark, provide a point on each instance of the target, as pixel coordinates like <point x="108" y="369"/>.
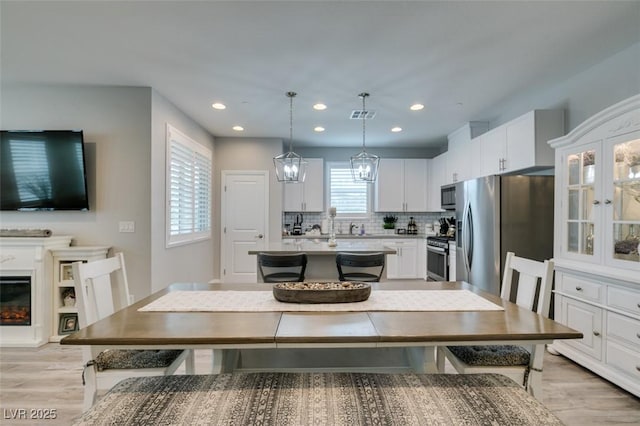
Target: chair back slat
<point x="101" y="288"/>
<point x="534" y="282"/>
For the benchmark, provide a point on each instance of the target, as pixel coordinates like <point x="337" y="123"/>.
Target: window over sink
<point x="351" y="199"/>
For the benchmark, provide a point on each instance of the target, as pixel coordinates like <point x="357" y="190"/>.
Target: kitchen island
<point x="321" y="259"/>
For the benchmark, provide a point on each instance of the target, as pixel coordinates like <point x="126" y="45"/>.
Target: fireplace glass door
<point x="15" y="300"/>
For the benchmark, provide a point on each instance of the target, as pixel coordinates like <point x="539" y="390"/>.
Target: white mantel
<point x="31" y="256"/>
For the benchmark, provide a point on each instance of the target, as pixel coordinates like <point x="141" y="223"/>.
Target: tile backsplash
<point x="372" y="225"/>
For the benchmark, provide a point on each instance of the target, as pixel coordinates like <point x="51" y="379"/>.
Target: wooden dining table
<point x="415" y="332"/>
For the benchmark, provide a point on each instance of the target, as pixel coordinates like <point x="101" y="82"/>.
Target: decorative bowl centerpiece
<point x="327" y="292"/>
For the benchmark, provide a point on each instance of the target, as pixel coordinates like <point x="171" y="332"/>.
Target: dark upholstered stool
<point x="360" y="267"/>
<point x="279" y="268"/>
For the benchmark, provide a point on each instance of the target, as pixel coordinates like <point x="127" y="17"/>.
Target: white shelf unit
<point x="65" y="316"/>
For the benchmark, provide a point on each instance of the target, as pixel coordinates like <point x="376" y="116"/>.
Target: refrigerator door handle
<point x="465" y="238"/>
<point x="470" y="234"/>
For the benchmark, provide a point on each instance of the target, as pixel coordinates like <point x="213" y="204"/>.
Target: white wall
<point x="117" y="127"/>
<point x="249" y="154"/>
<point x="185" y="263"/>
<point x="584" y="94"/>
<point x="124" y="129"/>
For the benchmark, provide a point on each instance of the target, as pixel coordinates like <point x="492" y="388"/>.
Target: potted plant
<point x="389" y="221"/>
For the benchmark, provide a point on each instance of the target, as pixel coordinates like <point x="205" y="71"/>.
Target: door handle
<point x="259" y="236"/>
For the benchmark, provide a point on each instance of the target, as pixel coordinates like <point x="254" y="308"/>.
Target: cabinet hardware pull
<point x="596" y="202"/>
<point x="578" y="288"/>
<point x="638" y="367"/>
<point x="607" y="201"/>
<point x="596" y="333"/>
<point x="638" y="335"/>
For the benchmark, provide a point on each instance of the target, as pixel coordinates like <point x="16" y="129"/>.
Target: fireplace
<point x="15" y="300"/>
<point x="26" y="289"/>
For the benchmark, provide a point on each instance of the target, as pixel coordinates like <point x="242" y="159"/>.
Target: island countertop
<point x="311" y="247"/>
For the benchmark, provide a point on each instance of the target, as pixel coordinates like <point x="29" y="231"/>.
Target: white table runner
<point x="263" y="301"/>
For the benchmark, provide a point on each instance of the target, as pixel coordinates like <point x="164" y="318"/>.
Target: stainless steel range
<point x="438" y="258"/>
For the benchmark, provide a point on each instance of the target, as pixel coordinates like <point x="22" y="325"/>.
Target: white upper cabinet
<point x="493" y="151"/>
<point x="598" y="193"/>
<point x="463" y="152"/>
<point x="521" y="143"/>
<point x="309" y="195"/>
<point x="401" y="185"/>
<point x="436" y="169"/>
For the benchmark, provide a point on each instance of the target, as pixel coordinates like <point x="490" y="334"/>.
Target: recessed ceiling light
<point x="396" y="129"/>
<point x="238" y="128"/>
<point x="416" y="107"/>
<point x="318" y="129"/>
<point x="218" y="105"/>
<point x="319" y="107"/>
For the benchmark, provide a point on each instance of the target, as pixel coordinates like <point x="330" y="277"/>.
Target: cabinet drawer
<point x="583" y="289"/>
<point x="623" y="328"/>
<point x="624" y="359"/>
<point x="626" y="300"/>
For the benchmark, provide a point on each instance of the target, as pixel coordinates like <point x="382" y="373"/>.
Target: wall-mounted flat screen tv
<point x="42" y="170"/>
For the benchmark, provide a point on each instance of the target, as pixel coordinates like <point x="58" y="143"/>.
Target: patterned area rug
<point x="263" y="301"/>
<point x="319" y="399"/>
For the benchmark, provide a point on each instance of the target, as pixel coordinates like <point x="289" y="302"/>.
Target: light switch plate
<point x="127" y="226"/>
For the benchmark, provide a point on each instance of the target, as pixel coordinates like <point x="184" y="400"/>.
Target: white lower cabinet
<point x="403" y="264"/>
<point x="587" y="319"/>
<point x="607" y="313"/>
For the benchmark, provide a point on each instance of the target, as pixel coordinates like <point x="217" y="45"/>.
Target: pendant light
<point x="290" y="167"/>
<point x="364" y="166"/>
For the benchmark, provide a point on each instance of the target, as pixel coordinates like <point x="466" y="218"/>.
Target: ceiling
<point x="462" y="60"/>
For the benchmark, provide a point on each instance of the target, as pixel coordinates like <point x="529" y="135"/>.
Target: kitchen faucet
<point x="351" y="226"/>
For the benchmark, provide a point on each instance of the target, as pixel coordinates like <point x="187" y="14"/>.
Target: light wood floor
<point x="49" y="377"/>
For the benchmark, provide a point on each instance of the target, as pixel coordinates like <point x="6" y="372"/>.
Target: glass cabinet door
<point x="626" y="200"/>
<point x="581" y="232"/>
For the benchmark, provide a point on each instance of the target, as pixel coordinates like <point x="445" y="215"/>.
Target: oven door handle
<point x="436" y="249"/>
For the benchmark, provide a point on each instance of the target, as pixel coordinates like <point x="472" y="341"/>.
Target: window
<point x="351" y="199"/>
<point x="189" y="172"/>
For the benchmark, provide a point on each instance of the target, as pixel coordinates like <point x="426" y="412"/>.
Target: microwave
<point x="448" y="197"/>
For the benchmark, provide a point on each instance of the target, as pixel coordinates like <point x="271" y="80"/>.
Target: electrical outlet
<point x="127" y="226"/>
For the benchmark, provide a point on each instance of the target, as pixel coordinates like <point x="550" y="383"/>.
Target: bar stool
<point x="360" y="266"/>
<point x="279" y="268"/>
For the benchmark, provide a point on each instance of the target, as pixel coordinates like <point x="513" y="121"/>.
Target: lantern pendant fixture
<point x="364" y="166"/>
<point x="290" y="167"/>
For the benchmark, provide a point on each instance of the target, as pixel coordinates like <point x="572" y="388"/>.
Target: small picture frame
<point x="66" y="272"/>
<point x="68" y="323"/>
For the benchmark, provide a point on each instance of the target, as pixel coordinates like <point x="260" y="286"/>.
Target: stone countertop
<point x="318" y="247"/>
<point x="355" y="237"/>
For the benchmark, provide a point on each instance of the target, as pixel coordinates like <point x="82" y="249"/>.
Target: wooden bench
<point x="319" y="399"/>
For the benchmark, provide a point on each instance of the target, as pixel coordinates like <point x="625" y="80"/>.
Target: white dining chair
<point x="101" y="289"/>
<point x="534" y="284"/>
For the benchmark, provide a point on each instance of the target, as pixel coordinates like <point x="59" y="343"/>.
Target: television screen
<point x="42" y="170"/>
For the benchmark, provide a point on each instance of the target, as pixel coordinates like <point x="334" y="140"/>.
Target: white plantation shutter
<point x="348" y="197"/>
<point x="188" y="189"/>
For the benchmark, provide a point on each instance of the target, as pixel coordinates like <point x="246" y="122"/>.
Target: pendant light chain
<point x="291" y="95"/>
<point x="364" y="116"/>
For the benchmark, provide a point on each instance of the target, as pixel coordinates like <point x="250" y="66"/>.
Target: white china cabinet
<point x="597" y="239"/>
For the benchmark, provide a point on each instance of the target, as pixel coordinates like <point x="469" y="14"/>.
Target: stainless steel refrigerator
<point x="497" y="214"/>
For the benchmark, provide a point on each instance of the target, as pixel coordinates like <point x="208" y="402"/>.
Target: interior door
<point x="245" y="219"/>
